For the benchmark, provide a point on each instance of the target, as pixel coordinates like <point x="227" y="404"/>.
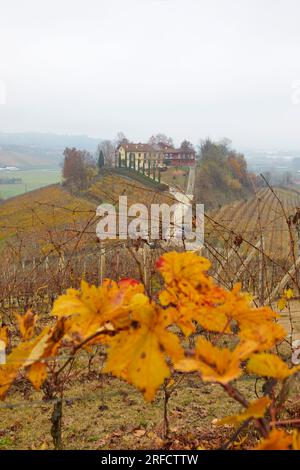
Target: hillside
<point x="38" y="216"/>
<point x="260" y="215"/>
<point x="42" y="218"/>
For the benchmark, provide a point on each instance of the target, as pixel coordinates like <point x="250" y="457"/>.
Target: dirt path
<point x="290" y="318"/>
<point x="191" y="182"/>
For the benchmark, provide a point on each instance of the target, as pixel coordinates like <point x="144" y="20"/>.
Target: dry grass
<point x="176" y="177"/>
<point x="101" y="412"/>
<point x="109" y="414"/>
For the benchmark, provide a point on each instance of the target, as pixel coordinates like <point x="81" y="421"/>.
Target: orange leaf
<point x="256" y="410"/>
<point x="27" y="324"/>
<point x="37" y="374"/>
<point x="296" y="440"/>
<point x="277" y="440"/>
<point x="215" y="364"/>
<point x="266" y="335"/>
<point x="269" y="365"/>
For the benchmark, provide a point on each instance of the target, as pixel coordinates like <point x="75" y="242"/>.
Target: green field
<point x="31" y="179"/>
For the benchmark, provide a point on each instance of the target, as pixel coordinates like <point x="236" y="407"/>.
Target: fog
<point x="188" y="68"/>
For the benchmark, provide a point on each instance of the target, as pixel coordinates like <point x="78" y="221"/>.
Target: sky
<point x="188" y="68"/>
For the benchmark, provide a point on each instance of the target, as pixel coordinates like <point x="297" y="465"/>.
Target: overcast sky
<point x="189" y="68"/>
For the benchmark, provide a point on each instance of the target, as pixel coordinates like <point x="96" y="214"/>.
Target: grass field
<point x="31" y="179"/>
<point x="101" y="412"/>
<point x="176" y="177"/>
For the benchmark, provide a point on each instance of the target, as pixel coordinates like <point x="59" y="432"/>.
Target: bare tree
<point x="107" y="147"/>
<point x="121" y="139"/>
<point x="186" y="145"/>
<point x="161" y="139"/>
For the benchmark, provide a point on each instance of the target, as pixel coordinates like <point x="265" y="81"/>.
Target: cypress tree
<point x="100" y="160"/>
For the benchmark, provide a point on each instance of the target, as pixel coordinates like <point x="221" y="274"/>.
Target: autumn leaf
<point x="266" y="335"/>
<point x="196" y="299"/>
<point x="282" y="303"/>
<point x="140" y="354"/>
<point x="37" y="374"/>
<point x="15" y="361"/>
<point x="270" y="365"/>
<point x="296" y="440"/>
<point x="277" y="440"/>
<point x="27" y="324"/>
<point x="215" y="364"/>
<point x="256" y="410"/>
<point x="180" y="267"/>
<point x="289" y="294"/>
<point x="27" y="353"/>
<point x="92" y="307"/>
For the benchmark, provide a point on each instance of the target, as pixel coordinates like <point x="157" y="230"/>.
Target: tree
<point x="161" y="139"/>
<point x="186" y="145"/>
<point x="100" y="162"/>
<point x="121" y="139"/>
<point x="107" y="148"/>
<point x="222" y="175"/>
<point x="78" y="168"/>
<point x="210" y="150"/>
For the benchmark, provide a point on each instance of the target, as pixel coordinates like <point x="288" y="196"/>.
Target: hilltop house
<point x="178" y="157"/>
<point x="139" y="155"/>
<point x="157" y="155"/>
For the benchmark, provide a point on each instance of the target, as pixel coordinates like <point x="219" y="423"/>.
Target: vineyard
<point x="266" y="214"/>
<point x="255" y="241"/>
<point x="170" y="337"/>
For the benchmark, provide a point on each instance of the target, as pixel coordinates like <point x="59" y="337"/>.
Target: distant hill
<point x="24" y="159"/>
<point x="36" y="150"/>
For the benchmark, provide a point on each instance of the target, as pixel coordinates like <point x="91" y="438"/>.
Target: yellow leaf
<point x="256" y="410"/>
<point x="266" y="335"/>
<point x="196" y="299"/>
<point x="16" y="360"/>
<point x="289" y="294"/>
<point x="282" y="303"/>
<point x="277" y="440"/>
<point x="27" y="324"/>
<point x="37" y="374"/>
<point x="296" y="440"/>
<point x="92" y="307"/>
<point x="140" y="354"/>
<point x="269" y="365"/>
<point x="182" y="267"/>
<point x="215" y="364"/>
<point x="29" y="352"/>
